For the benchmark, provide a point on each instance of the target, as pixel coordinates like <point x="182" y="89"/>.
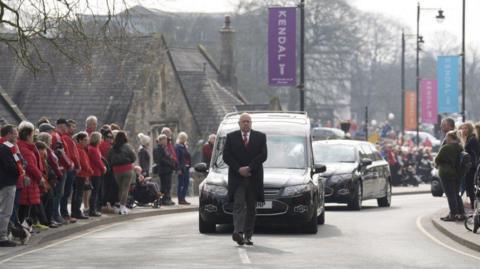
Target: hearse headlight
<point x="215" y="189"/>
<point x="296" y="190"/>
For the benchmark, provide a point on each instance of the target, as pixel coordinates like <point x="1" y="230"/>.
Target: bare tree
<point x="68" y="26"/>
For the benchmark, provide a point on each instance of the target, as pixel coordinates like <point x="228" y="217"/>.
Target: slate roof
<point x="208" y="100"/>
<point x="9" y="112"/>
<point x="71" y="92"/>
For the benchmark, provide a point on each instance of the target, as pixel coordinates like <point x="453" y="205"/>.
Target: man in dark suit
<point x="245" y="151"/>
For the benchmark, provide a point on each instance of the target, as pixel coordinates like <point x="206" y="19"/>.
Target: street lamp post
<point x="301" y="85"/>
<point x="439" y="18"/>
<point x="402" y="118"/>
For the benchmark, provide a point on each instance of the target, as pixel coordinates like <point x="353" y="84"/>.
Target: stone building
<point x="141" y="83"/>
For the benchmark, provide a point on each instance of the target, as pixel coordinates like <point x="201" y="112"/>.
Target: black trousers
<point x="166" y="186"/>
<point x="47" y="204"/>
<point x="77" y="196"/>
<point x="469" y="185"/>
<point x="244" y="208"/>
<point x="109" y="189"/>
<point x="451" y="187"/>
<point x="95" y="197"/>
<point x="33" y="212"/>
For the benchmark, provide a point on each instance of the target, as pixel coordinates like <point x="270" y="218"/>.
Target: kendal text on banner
<point x="282" y="46"/>
<point x="447" y="77"/>
<point x="428" y="89"/>
<point x="410" y="110"/>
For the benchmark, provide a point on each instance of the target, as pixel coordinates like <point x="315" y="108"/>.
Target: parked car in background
<point x="355" y="172"/>
<point x="324" y="133"/>
<point x="293" y="188"/>
<point x="423" y="137"/>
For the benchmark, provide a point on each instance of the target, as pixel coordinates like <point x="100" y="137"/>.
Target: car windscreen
<point x="333" y="153"/>
<point x="284" y="151"/>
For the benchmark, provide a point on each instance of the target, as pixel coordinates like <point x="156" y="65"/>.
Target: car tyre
<point x="436" y="188"/>
<point x="321" y="218"/>
<point x="387" y="200"/>
<point x="311" y="227"/>
<point x="356" y="202"/>
<point x="205" y="227"/>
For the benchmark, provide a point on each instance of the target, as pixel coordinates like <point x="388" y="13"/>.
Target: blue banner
<point x="447" y="76"/>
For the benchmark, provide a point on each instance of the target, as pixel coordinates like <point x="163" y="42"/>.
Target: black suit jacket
<point x="236" y="155"/>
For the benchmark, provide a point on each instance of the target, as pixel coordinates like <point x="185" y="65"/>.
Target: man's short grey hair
<point x="91" y="119"/>
<point x="450" y="122"/>
<point x="25" y="124"/>
<point x="212" y="136"/>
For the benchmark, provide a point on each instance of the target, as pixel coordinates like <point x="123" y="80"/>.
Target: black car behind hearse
<point x="294" y="191"/>
<point x="355" y="172"/>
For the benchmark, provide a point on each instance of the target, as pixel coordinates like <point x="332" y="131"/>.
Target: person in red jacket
<point x="30" y="194"/>
<point x="99" y="169"/>
<point x="72" y="153"/>
<point x="83" y="175"/>
<point x="66" y="164"/>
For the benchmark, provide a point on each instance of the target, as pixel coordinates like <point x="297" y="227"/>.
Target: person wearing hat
<point x="46" y="128"/>
<point x="143" y="154"/>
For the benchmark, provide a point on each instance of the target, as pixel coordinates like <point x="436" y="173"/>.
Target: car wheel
<point x="387" y="200"/>
<point x="321" y="218"/>
<point x="205" y="227"/>
<point x="436" y="188"/>
<point x="311" y="227"/>
<point x="356" y="202"/>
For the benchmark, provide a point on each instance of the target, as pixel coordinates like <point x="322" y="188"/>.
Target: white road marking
<point x="56" y="243"/>
<point x="242" y="252"/>
<point x="429" y="235"/>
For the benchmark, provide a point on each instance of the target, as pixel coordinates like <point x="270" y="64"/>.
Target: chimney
<point x="227" y="64"/>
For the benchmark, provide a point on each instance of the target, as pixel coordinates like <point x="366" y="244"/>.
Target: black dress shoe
<point x="448" y="218"/>
<point x="94" y="214"/>
<point x="248" y="242"/>
<point x="237" y="237"/>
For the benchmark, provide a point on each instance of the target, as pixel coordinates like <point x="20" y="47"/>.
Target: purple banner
<point x="428" y="89"/>
<point x="282" y="26"/>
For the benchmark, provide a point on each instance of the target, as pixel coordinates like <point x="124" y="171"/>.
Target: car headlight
<point x="215" y="189"/>
<point x="341" y="177"/>
<point x="296" y="190"/>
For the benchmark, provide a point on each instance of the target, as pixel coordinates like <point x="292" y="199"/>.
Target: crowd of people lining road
<point x="48" y="166"/>
<point x="457" y="162"/>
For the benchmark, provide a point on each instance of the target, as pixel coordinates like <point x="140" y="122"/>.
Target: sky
<point x="404" y="11"/>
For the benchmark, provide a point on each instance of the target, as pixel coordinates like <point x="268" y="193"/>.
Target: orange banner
<point x="410" y="110"/>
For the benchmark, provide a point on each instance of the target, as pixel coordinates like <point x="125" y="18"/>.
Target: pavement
<point x="456" y="231"/>
<point x="401" y="236"/>
<point x="45" y="237"/>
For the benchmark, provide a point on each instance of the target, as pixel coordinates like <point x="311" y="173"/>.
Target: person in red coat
<point x="30" y="194"/>
<point x="99" y="169"/>
<point x="72" y="153"/>
<point x="82" y="176"/>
